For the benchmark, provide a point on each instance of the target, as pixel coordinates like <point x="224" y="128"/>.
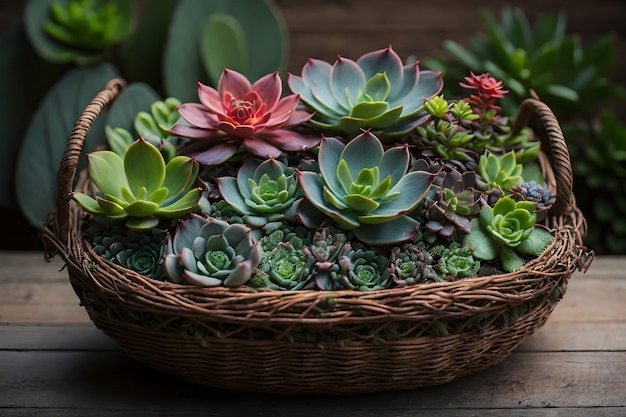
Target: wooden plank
<point x="560" y="337"/>
<point x="277" y="411"/>
<point x="40" y="302"/>
<point x="105" y="380"/>
<point x="68" y="336"/>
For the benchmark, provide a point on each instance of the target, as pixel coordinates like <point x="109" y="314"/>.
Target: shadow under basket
<point x="311" y="342"/>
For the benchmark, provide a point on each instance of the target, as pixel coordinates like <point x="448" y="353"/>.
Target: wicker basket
<point x="306" y="342"/>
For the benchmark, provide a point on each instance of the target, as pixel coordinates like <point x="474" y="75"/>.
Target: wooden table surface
<point x="54" y="362"/>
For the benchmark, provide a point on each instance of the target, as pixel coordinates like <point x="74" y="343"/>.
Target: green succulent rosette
<point x="375" y="92"/>
<point x="141" y="188"/>
<point x="210" y="252"/>
<point x="507" y="231"/>
<point x="80" y="31"/>
<point x="263" y="191"/>
<point x="366" y="189"/>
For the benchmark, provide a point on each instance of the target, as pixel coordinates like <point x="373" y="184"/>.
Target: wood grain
<point x="76" y="379"/>
<point x="54" y="362"/>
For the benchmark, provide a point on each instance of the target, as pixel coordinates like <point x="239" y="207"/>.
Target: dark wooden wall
<point x="325" y="28"/>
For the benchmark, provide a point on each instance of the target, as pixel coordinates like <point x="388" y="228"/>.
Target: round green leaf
<point x="264" y="32"/>
<point x="47" y="135"/>
<point x="223" y="45"/>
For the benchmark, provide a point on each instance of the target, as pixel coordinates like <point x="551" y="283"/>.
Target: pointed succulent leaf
<point x="182" y="206"/>
<point x="141" y="208"/>
<point x="180" y="175"/>
<point x="369" y="109"/>
<point x="376" y="89"/>
<point x="142" y="224"/>
<point x="361" y="203"/>
<point x="106" y="170"/>
<point x="144" y="166"/>
<point x="346" y="80"/>
<point x="88" y="203"/>
<point x="398" y="230"/>
<point x="364" y="151"/>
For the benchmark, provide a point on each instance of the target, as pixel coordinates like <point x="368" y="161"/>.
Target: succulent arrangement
<point x="363" y="177"/>
<point x="574" y="78"/>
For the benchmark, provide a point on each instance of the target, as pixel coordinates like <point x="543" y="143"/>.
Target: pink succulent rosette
<point x="243" y="115"/>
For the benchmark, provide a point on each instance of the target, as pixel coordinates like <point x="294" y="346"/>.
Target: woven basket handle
<point x="69" y="163"/>
<point x="553" y="144"/>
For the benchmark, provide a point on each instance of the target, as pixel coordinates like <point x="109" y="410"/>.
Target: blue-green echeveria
<point x="506" y="231"/>
<point x="140" y="188"/>
<point x="210" y="252"/>
<point x="376" y="92"/>
<point x="264" y="191"/>
<point x="366" y="189"/>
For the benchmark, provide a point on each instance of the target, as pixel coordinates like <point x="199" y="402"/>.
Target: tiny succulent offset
<point x="363" y="177"/>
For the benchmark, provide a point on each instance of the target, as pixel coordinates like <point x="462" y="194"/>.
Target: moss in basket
<point x="141" y="188"/>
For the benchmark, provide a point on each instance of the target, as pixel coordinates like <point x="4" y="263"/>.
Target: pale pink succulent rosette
<point x="238" y="114"/>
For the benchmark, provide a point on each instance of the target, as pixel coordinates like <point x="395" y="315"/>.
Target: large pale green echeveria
<point x="506" y="231"/>
<point x="210" y="252"/>
<point x="264" y="191"/>
<point x="367" y="189"/>
<point x="376" y="92"/>
<point x="141" y="188"/>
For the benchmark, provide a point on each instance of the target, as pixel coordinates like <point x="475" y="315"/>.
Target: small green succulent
<point x="139" y="252"/>
<point x="264" y="191"/>
<point x="364" y="270"/>
<point x="141" y="188"/>
<point x="502" y="172"/>
<point x="411" y="263"/>
<point x="366" y="189"/>
<point x="286" y="266"/>
<point x="507" y="231"/>
<point x="376" y="92"/>
<point x="77" y="30"/>
<point x="152" y="127"/>
<point x="455" y="261"/>
<point x="210" y="252"/>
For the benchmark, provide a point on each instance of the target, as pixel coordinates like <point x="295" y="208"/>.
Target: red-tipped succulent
<point x="240" y="116"/>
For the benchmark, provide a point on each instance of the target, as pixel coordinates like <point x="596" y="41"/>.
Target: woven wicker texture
<point x="307" y="342"/>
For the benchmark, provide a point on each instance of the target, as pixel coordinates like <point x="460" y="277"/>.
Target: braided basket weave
<point x="306" y="342"/>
